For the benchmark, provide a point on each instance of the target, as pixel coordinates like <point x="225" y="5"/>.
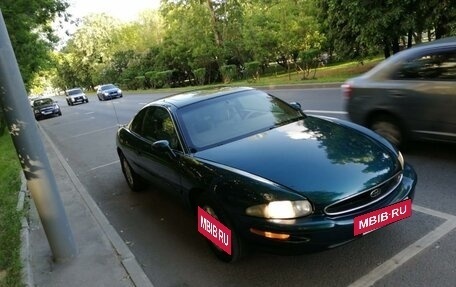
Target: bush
<point x="163" y="78"/>
<point x="140" y="82"/>
<point x="200" y="75"/>
<point x="252" y="70"/>
<point x="151" y="78"/>
<point x="229" y="72"/>
<point x="309" y="60"/>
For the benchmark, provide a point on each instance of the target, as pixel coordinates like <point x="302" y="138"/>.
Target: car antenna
<point x="115" y="112"/>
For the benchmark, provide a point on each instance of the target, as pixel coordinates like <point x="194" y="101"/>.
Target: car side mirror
<point x="163" y="146"/>
<point x="296" y="106"/>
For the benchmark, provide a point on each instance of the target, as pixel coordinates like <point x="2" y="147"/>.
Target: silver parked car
<point x="411" y="95"/>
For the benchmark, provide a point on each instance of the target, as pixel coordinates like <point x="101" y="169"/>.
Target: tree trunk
<point x="217" y="34"/>
<point x="409" y="39"/>
<point x="395" y="45"/>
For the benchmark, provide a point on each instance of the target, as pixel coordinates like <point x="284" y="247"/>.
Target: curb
<point x="27" y="274"/>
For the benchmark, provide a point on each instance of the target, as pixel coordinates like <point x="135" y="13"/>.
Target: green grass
<point x="10" y="263"/>
<point x="330" y="74"/>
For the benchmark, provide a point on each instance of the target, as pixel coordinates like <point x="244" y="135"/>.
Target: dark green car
<point x="277" y="178"/>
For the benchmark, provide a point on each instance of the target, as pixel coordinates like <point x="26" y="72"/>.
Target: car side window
<point x="158" y="125"/>
<point x="137" y="123"/>
<point x="436" y="66"/>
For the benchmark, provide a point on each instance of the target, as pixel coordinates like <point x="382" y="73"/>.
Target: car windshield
<point x="42" y="102"/>
<point x="108" y="87"/>
<point x="74" y="92"/>
<point x="227" y="118"/>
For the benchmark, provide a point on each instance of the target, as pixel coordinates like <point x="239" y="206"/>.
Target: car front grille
<point x="364" y="199"/>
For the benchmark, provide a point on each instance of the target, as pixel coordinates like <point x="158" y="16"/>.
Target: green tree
<point x="29" y="25"/>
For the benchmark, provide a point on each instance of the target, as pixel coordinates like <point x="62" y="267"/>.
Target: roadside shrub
<point x="252" y="70"/>
<point x="163" y="78"/>
<point x="140" y="82"/>
<point x="151" y="78"/>
<point x="200" y="75"/>
<point x="229" y="72"/>
<point x="309" y="61"/>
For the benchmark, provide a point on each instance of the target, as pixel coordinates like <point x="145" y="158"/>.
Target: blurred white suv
<point x="75" y="96"/>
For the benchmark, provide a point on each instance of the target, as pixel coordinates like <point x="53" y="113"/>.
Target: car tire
<point x="134" y="181"/>
<point x="388" y="127"/>
<point x="238" y="245"/>
<point x="59" y="114"/>
<point x="99" y="98"/>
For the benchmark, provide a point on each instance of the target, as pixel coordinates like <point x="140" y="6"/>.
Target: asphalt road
<point x="418" y="251"/>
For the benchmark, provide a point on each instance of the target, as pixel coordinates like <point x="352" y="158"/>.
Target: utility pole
<point x="32" y="156"/>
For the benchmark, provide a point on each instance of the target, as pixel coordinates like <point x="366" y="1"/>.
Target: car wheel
<point x="134" y="181"/>
<point x="60" y="113"/>
<point x="238" y="245"/>
<point x="99" y="98"/>
<point x="389" y="128"/>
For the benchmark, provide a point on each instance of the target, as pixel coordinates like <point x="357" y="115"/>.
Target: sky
<point x="125" y="10"/>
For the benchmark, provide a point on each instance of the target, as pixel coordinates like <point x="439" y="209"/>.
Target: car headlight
<point x="119" y="91"/>
<point x="284" y="209"/>
<point x="106" y="93"/>
<point x="401" y="159"/>
<point x="37" y="111"/>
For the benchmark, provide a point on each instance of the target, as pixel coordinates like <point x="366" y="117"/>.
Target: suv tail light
<point x="347" y="90"/>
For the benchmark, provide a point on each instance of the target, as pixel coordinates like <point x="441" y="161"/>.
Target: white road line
<point x="89" y="113"/>
<point x="104" y="165"/>
<point x="95" y="131"/>
<point x="434" y="213"/>
<point x="410" y="251"/>
<point x="325" y="112"/>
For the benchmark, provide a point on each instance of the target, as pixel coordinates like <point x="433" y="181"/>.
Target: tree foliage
<point x="190" y="42"/>
<point x="31" y="33"/>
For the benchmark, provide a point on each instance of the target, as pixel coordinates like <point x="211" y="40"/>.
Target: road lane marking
<point x="410" y="251"/>
<point x="104" y="165"/>
<point x="325" y="112"/>
<point x="89" y="113"/>
<point x="92" y="132"/>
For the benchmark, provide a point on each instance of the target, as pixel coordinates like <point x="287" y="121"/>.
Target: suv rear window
<point x="74" y="92"/>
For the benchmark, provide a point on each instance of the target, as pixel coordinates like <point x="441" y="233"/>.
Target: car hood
<point x="319" y="159"/>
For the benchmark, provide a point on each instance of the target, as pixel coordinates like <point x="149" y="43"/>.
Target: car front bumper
<point x="318" y="231"/>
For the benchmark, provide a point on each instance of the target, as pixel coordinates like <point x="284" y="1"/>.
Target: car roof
<point x="194" y="96"/>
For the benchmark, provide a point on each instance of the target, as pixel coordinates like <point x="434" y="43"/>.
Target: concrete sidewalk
<point x="103" y="258"/>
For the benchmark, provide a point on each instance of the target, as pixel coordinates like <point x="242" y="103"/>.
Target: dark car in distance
<point x="411" y="95"/>
<point x="45" y="108"/>
<point x="75" y="96"/>
<point x="277" y="178"/>
<point x="108" y="92"/>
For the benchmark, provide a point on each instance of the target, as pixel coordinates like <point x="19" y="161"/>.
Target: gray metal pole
<point x="30" y="149"/>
